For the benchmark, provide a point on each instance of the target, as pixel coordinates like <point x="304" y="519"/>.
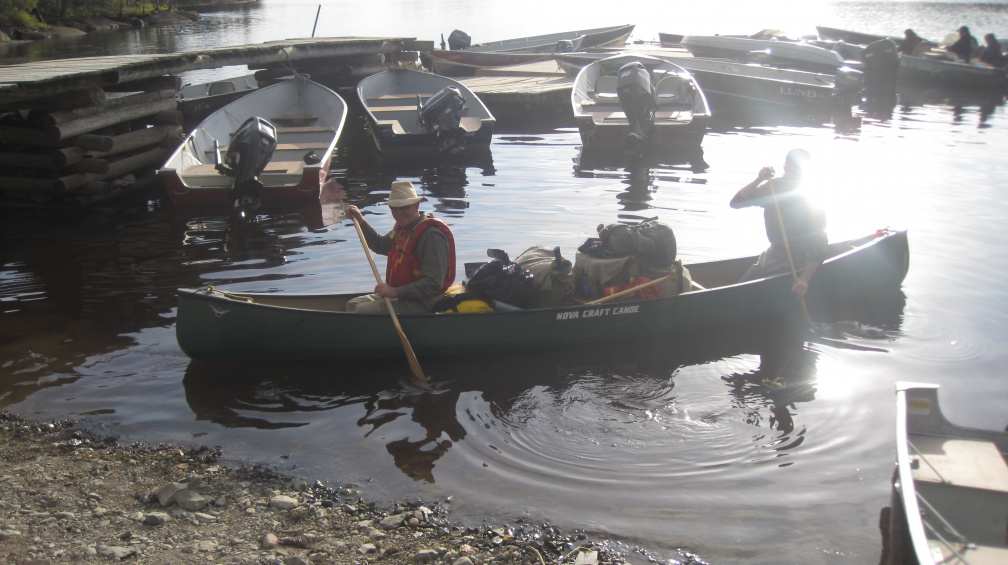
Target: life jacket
<point x="404" y="266"/>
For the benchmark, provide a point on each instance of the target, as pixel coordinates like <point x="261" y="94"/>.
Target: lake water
<point x="666" y="452"/>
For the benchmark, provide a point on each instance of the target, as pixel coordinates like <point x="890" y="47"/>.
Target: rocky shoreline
<point x="68" y="495"/>
<point x="83" y="25"/>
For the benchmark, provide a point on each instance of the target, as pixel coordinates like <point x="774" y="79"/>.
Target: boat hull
<point x="309" y="118"/>
<point x="465" y="63"/>
<point x="939" y="72"/>
<point x="787" y="54"/>
<point x="390" y="101"/>
<point x="198" y="101"/>
<point x="612" y="36"/>
<point x="213" y="325"/>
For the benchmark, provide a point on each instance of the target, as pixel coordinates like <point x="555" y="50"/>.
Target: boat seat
<point x="303" y="146"/>
<point x="302" y="129"/>
<point x="401" y="96"/>
<point x="470" y="123"/>
<point x="673" y="90"/>
<point x="605" y="87"/>
<point x="222" y="87"/>
<point x="396" y="126"/>
<point x="379" y="109"/>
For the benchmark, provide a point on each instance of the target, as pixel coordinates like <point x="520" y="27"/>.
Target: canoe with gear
<point x="213" y="324"/>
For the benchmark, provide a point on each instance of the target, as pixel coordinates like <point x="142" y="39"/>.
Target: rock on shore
<point x="70" y="496"/>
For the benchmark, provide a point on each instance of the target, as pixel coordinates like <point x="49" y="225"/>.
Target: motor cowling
<point x="248" y="153"/>
<point x="881" y="62"/>
<point x="564" y="46"/>
<point x="441" y="115"/>
<point x="458" y="39"/>
<point x="637" y="98"/>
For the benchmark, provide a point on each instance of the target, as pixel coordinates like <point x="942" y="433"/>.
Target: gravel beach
<point x="68" y="495"/>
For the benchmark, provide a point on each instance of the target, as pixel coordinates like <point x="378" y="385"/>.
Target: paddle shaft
<point x="632" y="290"/>
<point x="787" y="249"/>
<point x="413" y="363"/>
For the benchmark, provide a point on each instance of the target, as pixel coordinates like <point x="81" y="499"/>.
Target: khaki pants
<point x="374" y="304"/>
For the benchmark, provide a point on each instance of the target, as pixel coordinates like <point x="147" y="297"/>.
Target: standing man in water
<point x="792" y="223"/>
<point x="421" y="256"/>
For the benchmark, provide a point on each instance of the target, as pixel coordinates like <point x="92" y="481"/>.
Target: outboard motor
<point x="249" y="152"/>
<point x="881" y="62"/>
<point x="441" y="115"/>
<point x="459" y="39"/>
<point x="637" y="98"/>
<point x="564" y="46"/>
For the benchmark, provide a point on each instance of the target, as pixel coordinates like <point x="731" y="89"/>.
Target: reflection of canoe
<point x="950" y="491"/>
<point x="213" y="324"/>
<point x="393" y="101"/>
<point x="197" y="101"/>
<point x="682" y="111"/>
<point x="612" y="36"/>
<point x="309" y="119"/>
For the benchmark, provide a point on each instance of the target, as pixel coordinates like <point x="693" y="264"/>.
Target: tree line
<point x="42" y="14"/>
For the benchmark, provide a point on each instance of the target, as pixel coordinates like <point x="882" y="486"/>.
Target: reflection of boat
<point x="215" y="324"/>
<point x="780" y="53"/>
<point x="659" y="105"/>
<point x="578" y="39"/>
<point x="416" y="112"/>
<point x="197" y="101"/>
<point x="950" y="490"/>
<point x="308" y="118"/>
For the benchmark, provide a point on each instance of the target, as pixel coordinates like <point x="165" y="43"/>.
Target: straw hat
<point x="403" y="194"/>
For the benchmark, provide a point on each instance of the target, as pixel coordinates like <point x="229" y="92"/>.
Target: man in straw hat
<point x="793" y="225"/>
<point x="421" y="256"/>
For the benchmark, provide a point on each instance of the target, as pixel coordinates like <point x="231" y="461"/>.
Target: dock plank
<point x="45" y="78"/>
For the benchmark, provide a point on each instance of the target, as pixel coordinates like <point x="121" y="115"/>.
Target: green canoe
<point x="218" y="325"/>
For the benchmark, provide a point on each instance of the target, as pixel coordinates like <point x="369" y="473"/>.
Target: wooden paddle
<point x="414" y="364"/>
<point x="794" y="274"/>
<point x="787" y="249"/>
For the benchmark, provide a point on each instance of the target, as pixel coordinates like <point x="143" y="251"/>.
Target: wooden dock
<point x="524" y="93"/>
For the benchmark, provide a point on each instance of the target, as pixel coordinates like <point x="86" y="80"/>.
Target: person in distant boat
<point x="992" y="54"/>
<point x="421" y="256"/>
<point x="964" y="47"/>
<point x="912" y="43"/>
<point x="804" y="224"/>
